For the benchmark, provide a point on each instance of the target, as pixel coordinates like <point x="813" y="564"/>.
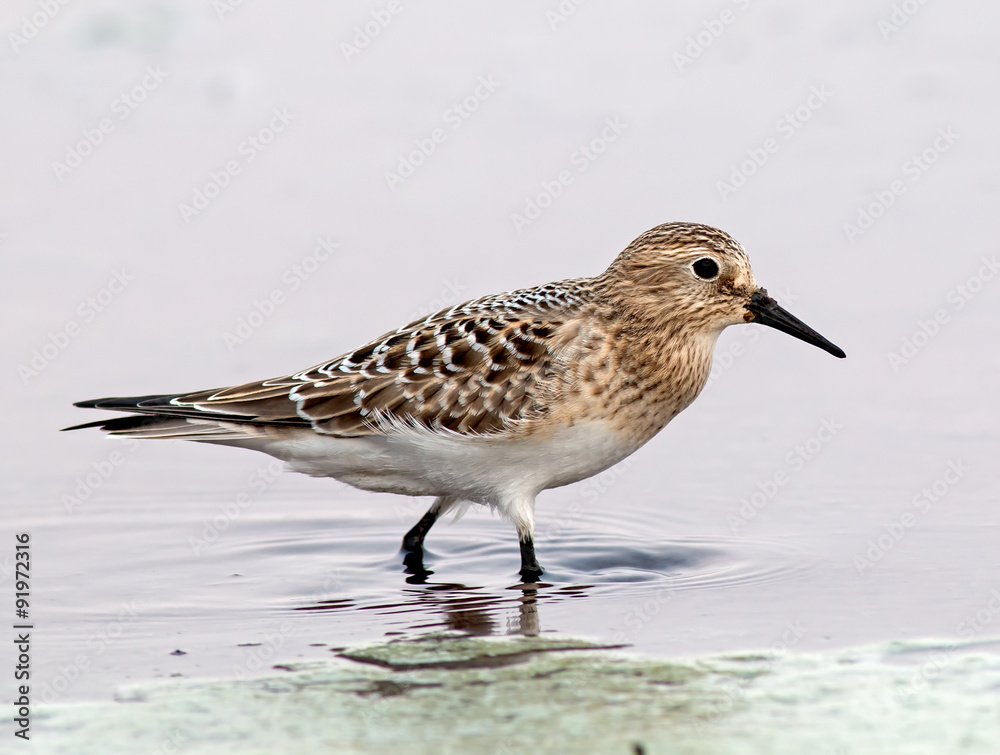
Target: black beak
<point x="766" y="311"/>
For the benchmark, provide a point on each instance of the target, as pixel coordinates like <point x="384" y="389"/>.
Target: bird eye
<point x="706" y="268"/>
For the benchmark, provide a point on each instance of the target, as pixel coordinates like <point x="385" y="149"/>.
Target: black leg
<point x="530" y="570"/>
<point x="414" y="539"/>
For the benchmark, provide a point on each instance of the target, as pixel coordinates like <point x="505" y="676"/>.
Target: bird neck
<point x="657" y="365"/>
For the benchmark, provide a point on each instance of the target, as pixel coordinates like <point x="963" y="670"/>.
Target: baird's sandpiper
<point x="497" y="399"/>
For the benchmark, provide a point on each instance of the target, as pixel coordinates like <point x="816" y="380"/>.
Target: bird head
<point x="698" y="277"/>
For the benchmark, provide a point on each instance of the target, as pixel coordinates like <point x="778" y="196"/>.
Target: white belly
<point x="483" y="470"/>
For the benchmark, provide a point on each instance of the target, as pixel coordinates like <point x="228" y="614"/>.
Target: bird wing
<point x="474" y="368"/>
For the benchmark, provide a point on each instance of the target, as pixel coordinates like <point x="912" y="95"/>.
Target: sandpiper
<point x="497" y="399"/>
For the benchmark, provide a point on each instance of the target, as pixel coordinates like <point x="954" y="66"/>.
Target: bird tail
<point x="151" y="424"/>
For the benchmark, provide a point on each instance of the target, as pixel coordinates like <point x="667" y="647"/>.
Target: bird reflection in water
<point x="475" y="611"/>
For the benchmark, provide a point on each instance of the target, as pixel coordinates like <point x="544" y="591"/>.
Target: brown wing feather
<point x="453" y="377"/>
<point x="474" y="368"/>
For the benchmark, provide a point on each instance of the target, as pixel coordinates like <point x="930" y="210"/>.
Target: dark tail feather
<point x="117" y="424"/>
<point x="156" y="417"/>
<point x="149" y="426"/>
<point x="160" y="405"/>
<point x="123" y="403"/>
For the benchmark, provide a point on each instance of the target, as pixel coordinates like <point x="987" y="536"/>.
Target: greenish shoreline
<point x="449" y="693"/>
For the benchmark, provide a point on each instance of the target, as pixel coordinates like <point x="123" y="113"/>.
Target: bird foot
<point x="530" y="570"/>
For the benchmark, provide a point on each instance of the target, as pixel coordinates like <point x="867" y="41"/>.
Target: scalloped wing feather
<point x="475" y="368"/>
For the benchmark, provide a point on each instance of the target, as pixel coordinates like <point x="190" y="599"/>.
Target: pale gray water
<point x="657" y="554"/>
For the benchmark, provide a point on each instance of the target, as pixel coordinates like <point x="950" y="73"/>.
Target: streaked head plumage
<point x="697" y="279"/>
<point x="686" y="271"/>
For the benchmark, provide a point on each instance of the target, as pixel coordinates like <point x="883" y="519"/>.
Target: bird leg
<point x="414" y="539"/>
<point x="521" y="510"/>
<point x="530" y="570"/>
